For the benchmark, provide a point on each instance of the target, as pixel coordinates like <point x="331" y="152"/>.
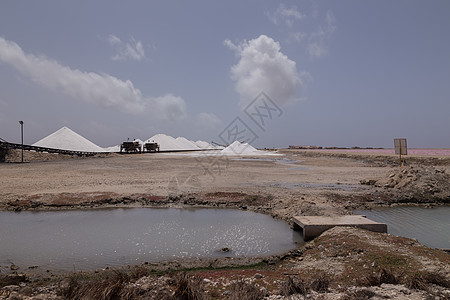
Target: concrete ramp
<point x="312" y="226"/>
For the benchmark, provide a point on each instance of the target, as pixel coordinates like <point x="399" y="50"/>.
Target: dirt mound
<point x="419" y="182"/>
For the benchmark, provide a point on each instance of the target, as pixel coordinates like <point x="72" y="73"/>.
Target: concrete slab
<point x="312" y="226"/>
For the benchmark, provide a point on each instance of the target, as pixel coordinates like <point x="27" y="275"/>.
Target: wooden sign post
<point x="400" y="148"/>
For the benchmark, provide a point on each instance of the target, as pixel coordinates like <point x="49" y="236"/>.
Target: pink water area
<point x="441" y="152"/>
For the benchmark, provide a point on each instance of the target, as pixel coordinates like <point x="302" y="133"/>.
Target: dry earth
<point x="297" y="183"/>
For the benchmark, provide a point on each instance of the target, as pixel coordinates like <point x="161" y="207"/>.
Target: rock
<point x="320" y="247"/>
<point x="12" y="288"/>
<point x="368" y="182"/>
<point x="258" y="276"/>
<point x="374" y="264"/>
<point x="13" y="267"/>
<point x="225" y="250"/>
<point x="17" y="277"/>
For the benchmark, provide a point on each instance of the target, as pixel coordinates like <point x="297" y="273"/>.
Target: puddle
<point x="293" y="164"/>
<point x="87" y="240"/>
<point x="430" y="226"/>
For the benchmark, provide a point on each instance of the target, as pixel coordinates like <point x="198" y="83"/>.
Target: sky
<point x="272" y="73"/>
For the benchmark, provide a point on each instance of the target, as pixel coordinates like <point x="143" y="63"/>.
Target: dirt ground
<point x="295" y="182"/>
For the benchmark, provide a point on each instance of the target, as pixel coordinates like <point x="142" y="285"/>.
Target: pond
<point x="87" y="240"/>
<point x="430" y="226"/>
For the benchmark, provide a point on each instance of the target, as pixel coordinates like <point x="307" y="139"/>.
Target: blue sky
<point x="339" y="73"/>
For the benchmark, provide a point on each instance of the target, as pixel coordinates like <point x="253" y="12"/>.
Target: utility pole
<point x="21" y="134"/>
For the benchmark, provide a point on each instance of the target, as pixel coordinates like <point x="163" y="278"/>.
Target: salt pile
<point x="168" y="143"/>
<point x="185" y="143"/>
<point x="67" y="139"/>
<point x="238" y="148"/>
<point x="204" y="145"/>
<point x="113" y="149"/>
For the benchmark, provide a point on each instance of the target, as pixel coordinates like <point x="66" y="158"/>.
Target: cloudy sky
<point x="326" y="73"/>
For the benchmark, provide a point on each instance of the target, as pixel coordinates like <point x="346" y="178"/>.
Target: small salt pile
<point x="238" y="148"/>
<point x="204" y="145"/>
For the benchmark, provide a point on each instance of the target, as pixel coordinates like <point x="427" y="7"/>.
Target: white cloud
<point x="288" y="15"/>
<point x="130" y="50"/>
<point x="298" y="36"/>
<point x="262" y="67"/>
<point x="169" y="107"/>
<point x="99" y="89"/>
<point x="316" y="41"/>
<point x="209" y="121"/>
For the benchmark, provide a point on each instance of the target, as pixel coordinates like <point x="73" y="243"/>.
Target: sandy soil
<point x="295" y="183"/>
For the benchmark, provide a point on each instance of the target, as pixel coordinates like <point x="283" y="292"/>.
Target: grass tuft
<point x="293" y="285"/>
<point x="188" y="287"/>
<point x="421" y="280"/>
<point x="241" y="290"/>
<point x="13" y="279"/>
<point x="320" y="282"/>
<point x="384" y="276"/>
<point x="113" y="286"/>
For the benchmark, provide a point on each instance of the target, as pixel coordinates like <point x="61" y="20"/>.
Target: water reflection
<point x="430" y="226"/>
<point x="94" y="239"/>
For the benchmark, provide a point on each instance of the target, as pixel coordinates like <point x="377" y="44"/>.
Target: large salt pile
<point x="186" y="144"/>
<point x="166" y="142"/>
<point x="204" y="145"/>
<point x="67" y="139"/>
<point x="113" y="149"/>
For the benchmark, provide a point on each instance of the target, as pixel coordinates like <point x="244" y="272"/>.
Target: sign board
<point x="400" y="146"/>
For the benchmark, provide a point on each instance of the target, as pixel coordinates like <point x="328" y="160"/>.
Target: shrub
<point x="384" y="276"/>
<point x="241" y="290"/>
<point x="110" y="288"/>
<point x="293" y="285"/>
<point x="320" y="282"/>
<point x="188" y="287"/>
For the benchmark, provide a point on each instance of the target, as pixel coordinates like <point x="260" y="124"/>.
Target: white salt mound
<point x="113" y="149"/>
<point x="204" y="145"/>
<point x="67" y="139"/>
<point x="166" y="142"/>
<point x="186" y="144"/>
<point x="238" y="148"/>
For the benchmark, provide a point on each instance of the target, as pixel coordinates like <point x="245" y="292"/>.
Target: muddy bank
<point x="298" y="183"/>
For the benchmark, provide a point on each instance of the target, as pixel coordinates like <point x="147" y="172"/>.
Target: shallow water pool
<point x="430" y="226"/>
<point x="87" y="240"/>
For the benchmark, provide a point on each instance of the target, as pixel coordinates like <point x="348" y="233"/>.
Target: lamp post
<point x="21" y="135"/>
